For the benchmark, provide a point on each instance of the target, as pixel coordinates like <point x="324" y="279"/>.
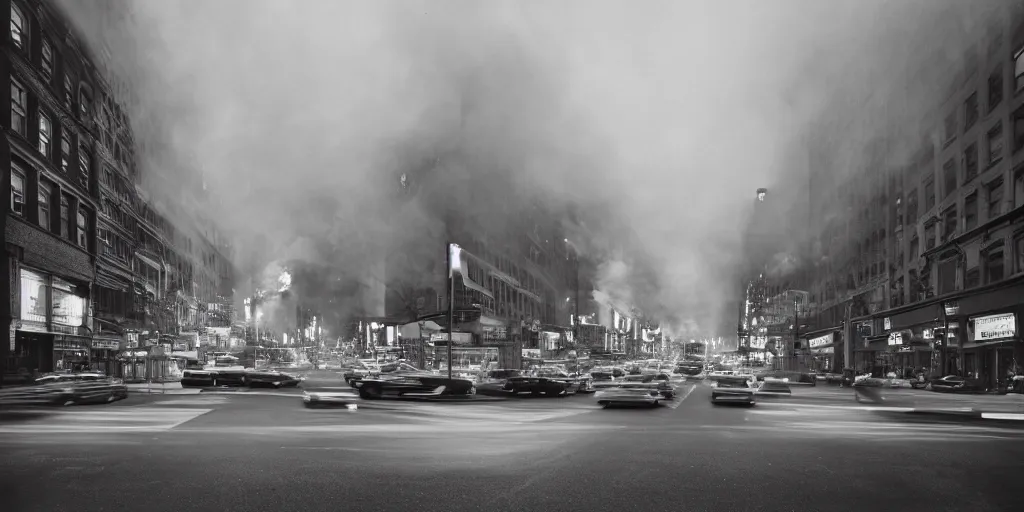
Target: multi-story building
<point x="95" y="263"/>
<point x="926" y="259"/>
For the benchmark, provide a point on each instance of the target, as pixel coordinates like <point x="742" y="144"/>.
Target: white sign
<point x="896" y="338"/>
<point x="888" y="323"/>
<point x="820" y="340"/>
<point x="995" y="327"/>
<point x="758" y="342"/>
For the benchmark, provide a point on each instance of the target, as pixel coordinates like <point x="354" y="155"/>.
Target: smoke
<point x="653" y="121"/>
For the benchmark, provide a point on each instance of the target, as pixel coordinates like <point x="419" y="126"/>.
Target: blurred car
<point x="542" y="382"/>
<point x="956" y="384"/>
<point x="323" y="399"/>
<point x="492" y="382"/>
<point x="238" y="378"/>
<point x="422" y="384"/>
<point x="734" y="389"/>
<point x="628" y="396"/>
<point x="661" y="382"/>
<point x="358" y="369"/>
<point x="66" y="389"/>
<point x="270" y="379"/>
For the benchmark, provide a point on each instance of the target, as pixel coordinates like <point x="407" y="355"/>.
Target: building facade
<point x="94" y="266"/>
<point x="926" y="260"/>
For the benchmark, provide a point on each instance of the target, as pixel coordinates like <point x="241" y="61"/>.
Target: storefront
<point x="992" y="349"/>
<point x="49" y="331"/>
<point x="822" y="350"/>
<point x="103" y="354"/>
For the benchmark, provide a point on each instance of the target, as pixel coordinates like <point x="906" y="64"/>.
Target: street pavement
<point x="269" y="453"/>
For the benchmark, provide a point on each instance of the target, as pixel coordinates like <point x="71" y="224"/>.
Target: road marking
<point x="1002" y="416"/>
<point x="676" y="403"/>
<point x="106" y="421"/>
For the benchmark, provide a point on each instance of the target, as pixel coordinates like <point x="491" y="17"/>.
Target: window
<point x="911" y="207"/>
<point x="1018" y="69"/>
<point x="69" y="93"/>
<point x="1018" y="188"/>
<point x="65" y="149"/>
<point x="17" y="191"/>
<point x="1018" y="130"/>
<point x="915" y="248"/>
<point x="995" y="198"/>
<point x="950" y="125"/>
<point x="83" y="104"/>
<point x="995" y="89"/>
<point x="44" y="195"/>
<point x="949" y="177"/>
<point x="929" y="237"/>
<point x="970" y="111"/>
<point x="949" y="223"/>
<point x="1018" y="250"/>
<point x="995" y="144"/>
<point x="19" y="108"/>
<point x="46" y="60"/>
<point x="18" y="28"/>
<point x="84" y="166"/>
<point x="65" y="217"/>
<point x="45" y="134"/>
<point x="994" y="265"/>
<point x="83" y="232"/>
<point x="929" y="193"/>
<point x="971" y="212"/>
<point x="972" y="278"/>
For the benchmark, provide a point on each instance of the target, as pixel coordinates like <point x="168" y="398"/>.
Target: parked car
<point x="956" y="384"/>
<point x="661" y="382"/>
<point x="628" y="396"/>
<point x="545" y="382"/>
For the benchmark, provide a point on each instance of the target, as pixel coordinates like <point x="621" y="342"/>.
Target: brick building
<point x="93" y="264"/>
<point x="927" y="259"/>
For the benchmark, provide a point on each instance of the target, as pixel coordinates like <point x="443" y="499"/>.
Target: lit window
<point x="45" y="134"/>
<point x="17" y="191"/>
<point x="83" y="104"/>
<point x="19" y="108"/>
<point x="44" y="205"/>
<point x="84" y="166"/>
<point x="18" y="35"/>
<point x="46" y="60"/>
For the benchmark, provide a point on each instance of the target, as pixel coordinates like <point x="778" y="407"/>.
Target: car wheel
<point x="369" y="392"/>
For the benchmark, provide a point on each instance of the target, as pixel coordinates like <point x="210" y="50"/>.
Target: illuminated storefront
<point x="50" y="332"/>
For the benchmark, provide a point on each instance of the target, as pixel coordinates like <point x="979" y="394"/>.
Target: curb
<point x="966" y="414"/>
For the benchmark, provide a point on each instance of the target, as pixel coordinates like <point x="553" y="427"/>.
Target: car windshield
<point x="733" y="383"/>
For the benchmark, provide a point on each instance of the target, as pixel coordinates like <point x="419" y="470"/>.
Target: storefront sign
<point x="531" y="353"/>
<point x="458" y="338"/>
<point x="65" y="344"/>
<point x="820" y="340"/>
<point x="895" y="338"/>
<point x="823" y="350"/>
<point x="995" y="327"/>
<point x="928" y="334"/>
<point x="106" y="344"/>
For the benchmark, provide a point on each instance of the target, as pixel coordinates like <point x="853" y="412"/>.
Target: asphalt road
<point x="268" y="453"/>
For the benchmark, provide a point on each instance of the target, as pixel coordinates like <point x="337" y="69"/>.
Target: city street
<point x="269" y="453"/>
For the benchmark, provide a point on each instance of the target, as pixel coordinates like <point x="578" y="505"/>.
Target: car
<point x="542" y="382"/>
<point x="741" y="390"/>
<point x="492" y="382"/>
<point x="323" y="399"/>
<point x="270" y="379"/>
<point x="66" y="389"/>
<point x="661" y="382"/>
<point x="628" y="396"/>
<point x="412" y="385"/>
<point x="238" y="378"/>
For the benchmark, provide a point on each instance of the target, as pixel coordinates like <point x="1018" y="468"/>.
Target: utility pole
<point x="848" y="342"/>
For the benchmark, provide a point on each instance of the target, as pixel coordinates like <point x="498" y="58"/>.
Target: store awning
<point x="148" y="261"/>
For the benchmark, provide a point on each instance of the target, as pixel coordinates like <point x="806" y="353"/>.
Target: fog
<point x="658" y="120"/>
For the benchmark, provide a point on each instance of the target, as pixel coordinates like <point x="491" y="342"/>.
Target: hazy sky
<point x="664" y="115"/>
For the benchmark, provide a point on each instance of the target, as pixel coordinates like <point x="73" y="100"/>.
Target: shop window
<point x="46" y="60"/>
<point x="994" y="265"/>
<point x="970" y="111"/>
<point x="995" y="198"/>
<point x="33" y="296"/>
<point x="19" y="108"/>
<point x="17" y="190"/>
<point x="68" y="305"/>
<point x="929" y="192"/>
<point x="65" y="217"/>
<point x="995" y="145"/>
<point x="83" y="232"/>
<point x="972" y="278"/>
<point x="45" y="135"/>
<point x="19" y="28"/>
<point x="971" y="212"/>
<point x="45" y="192"/>
<point x="995" y="88"/>
<point x="949" y="173"/>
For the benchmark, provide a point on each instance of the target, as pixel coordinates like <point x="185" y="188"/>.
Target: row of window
<point x="44" y="135"/>
<point x="995" y="89"/>
<point x="47" y="195"/>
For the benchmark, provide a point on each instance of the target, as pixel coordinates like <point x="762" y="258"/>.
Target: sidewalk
<point x="919" y="401"/>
